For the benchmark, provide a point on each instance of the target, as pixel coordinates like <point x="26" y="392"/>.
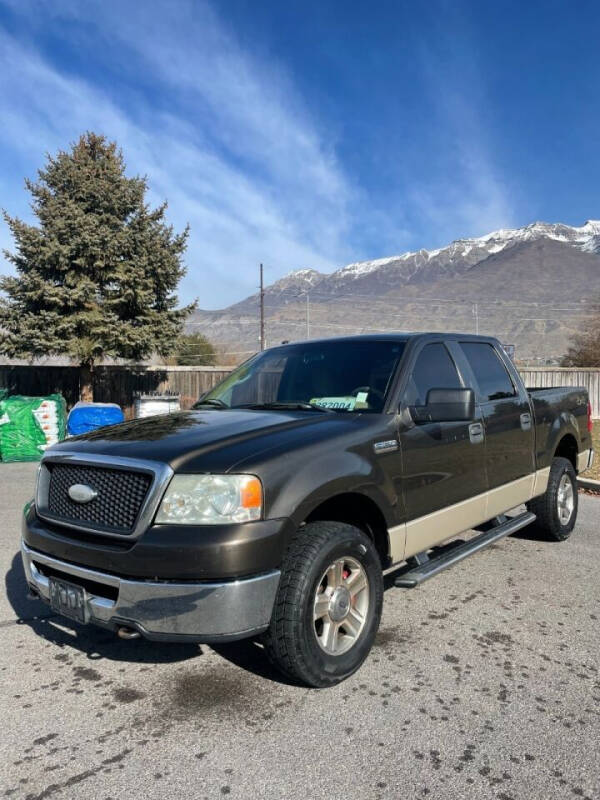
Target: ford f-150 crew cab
<point x="275" y="506"/>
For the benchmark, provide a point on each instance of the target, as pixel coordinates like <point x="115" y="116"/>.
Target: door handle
<point x="526" y="422"/>
<point x="476" y="432"/>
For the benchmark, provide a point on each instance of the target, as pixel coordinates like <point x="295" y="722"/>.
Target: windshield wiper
<point x="212" y="401"/>
<point x="274" y="406"/>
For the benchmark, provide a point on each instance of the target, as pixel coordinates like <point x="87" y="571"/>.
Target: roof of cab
<point x="398" y="336"/>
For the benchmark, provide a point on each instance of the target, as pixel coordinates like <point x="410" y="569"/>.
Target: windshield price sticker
<point x="342" y="403"/>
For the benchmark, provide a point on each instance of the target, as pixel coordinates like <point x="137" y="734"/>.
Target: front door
<point x="443" y="464"/>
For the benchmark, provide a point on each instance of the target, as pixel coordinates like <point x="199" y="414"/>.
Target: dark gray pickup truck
<point x="274" y="507"/>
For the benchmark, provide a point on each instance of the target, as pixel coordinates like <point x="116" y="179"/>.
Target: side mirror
<point x="446" y="405"/>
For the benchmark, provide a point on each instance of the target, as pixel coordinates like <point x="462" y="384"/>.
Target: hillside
<point x="528" y="286"/>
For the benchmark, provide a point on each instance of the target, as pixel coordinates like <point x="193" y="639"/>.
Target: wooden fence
<point x="113" y="384"/>
<point x="566" y="376"/>
<point x="35" y="381"/>
<point x="120" y="384"/>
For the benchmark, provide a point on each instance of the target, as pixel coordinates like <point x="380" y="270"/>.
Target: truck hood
<point x="205" y="440"/>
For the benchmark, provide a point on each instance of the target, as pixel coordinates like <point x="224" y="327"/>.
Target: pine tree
<point x="97" y="277"/>
<point x="195" y="349"/>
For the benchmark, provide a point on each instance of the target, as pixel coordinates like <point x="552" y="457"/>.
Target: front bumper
<point x="162" y="610"/>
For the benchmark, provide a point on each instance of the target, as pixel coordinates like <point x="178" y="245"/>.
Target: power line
<point x="410" y="300"/>
<point x="573" y="311"/>
<point x="425" y="301"/>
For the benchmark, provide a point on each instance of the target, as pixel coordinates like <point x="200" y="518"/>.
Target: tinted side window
<point x="434" y="369"/>
<point x="490" y="373"/>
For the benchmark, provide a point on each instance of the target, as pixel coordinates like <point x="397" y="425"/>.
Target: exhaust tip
<point x="127" y="633"/>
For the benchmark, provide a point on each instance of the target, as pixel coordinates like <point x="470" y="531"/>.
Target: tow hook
<point x="127" y="633"/>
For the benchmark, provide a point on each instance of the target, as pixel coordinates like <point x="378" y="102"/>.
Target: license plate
<point x="67" y="599"/>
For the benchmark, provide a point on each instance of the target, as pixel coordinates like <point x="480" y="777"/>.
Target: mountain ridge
<point x="421" y="265"/>
<point x="503" y="283"/>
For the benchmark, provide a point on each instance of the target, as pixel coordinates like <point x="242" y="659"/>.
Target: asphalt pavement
<point x="484" y="683"/>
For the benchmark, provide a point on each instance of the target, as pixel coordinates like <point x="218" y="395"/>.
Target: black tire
<point x="293" y="641"/>
<point x="547" y="506"/>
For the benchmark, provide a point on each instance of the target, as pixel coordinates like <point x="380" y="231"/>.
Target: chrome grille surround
<point x="159" y="474"/>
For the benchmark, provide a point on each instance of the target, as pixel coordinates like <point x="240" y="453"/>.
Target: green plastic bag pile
<point x="28" y="425"/>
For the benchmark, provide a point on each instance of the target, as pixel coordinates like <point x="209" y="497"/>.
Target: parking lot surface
<point x="484" y="682"/>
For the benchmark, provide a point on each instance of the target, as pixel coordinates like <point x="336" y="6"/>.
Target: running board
<point x="431" y="567"/>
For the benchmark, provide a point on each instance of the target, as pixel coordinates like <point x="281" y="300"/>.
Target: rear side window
<point x="490" y="373"/>
<point x="434" y="369"/>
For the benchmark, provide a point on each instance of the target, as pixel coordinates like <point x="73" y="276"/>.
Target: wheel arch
<point x="560" y="439"/>
<point x="359" y="510"/>
<point x="567" y="447"/>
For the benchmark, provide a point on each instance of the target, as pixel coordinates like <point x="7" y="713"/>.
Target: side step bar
<point x="431" y="566"/>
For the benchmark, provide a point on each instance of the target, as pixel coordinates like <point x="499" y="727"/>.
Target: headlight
<point x="211" y="500"/>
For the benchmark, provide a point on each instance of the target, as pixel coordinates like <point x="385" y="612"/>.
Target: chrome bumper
<point x="168" y="611"/>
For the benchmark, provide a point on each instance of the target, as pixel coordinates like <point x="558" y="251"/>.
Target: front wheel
<point x="328" y="605"/>
<point x="556" y="510"/>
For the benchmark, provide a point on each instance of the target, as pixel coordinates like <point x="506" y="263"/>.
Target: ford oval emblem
<point x="82" y="493"/>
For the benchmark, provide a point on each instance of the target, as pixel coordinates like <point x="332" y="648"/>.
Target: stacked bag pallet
<point x="28" y="425"/>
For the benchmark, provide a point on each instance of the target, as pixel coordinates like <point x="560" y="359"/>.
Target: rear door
<point x="443" y="464"/>
<point x="509" y="432"/>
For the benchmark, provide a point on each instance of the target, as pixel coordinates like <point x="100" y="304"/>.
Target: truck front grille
<point x="120" y="496"/>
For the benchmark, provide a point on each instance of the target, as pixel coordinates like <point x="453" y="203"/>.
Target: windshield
<point x="341" y="376"/>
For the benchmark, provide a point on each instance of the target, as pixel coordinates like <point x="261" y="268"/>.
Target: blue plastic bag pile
<point x="86" y="417"/>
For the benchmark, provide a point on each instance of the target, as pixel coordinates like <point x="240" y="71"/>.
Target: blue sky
<point x="314" y="133"/>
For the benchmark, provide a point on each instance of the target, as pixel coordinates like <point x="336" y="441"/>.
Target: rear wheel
<point x="328" y="605"/>
<point x="556" y="510"/>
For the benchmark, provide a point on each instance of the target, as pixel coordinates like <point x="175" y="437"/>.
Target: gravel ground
<point x="483" y="683"/>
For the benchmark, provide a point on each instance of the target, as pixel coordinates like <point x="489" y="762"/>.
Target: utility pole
<point x="262" y="310"/>
<point x="476" y="315"/>
<point x="307" y="316"/>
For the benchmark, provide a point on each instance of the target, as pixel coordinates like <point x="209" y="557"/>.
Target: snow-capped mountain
<point x="377" y="276"/>
<point x="530" y="286"/>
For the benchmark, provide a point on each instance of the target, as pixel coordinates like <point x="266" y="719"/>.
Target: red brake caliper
<point x="346" y="574"/>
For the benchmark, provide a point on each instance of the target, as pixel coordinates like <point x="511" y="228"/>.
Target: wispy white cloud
<point x="223" y="133"/>
<point x="467" y="193"/>
<point x="468" y="198"/>
<point x="236" y="154"/>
